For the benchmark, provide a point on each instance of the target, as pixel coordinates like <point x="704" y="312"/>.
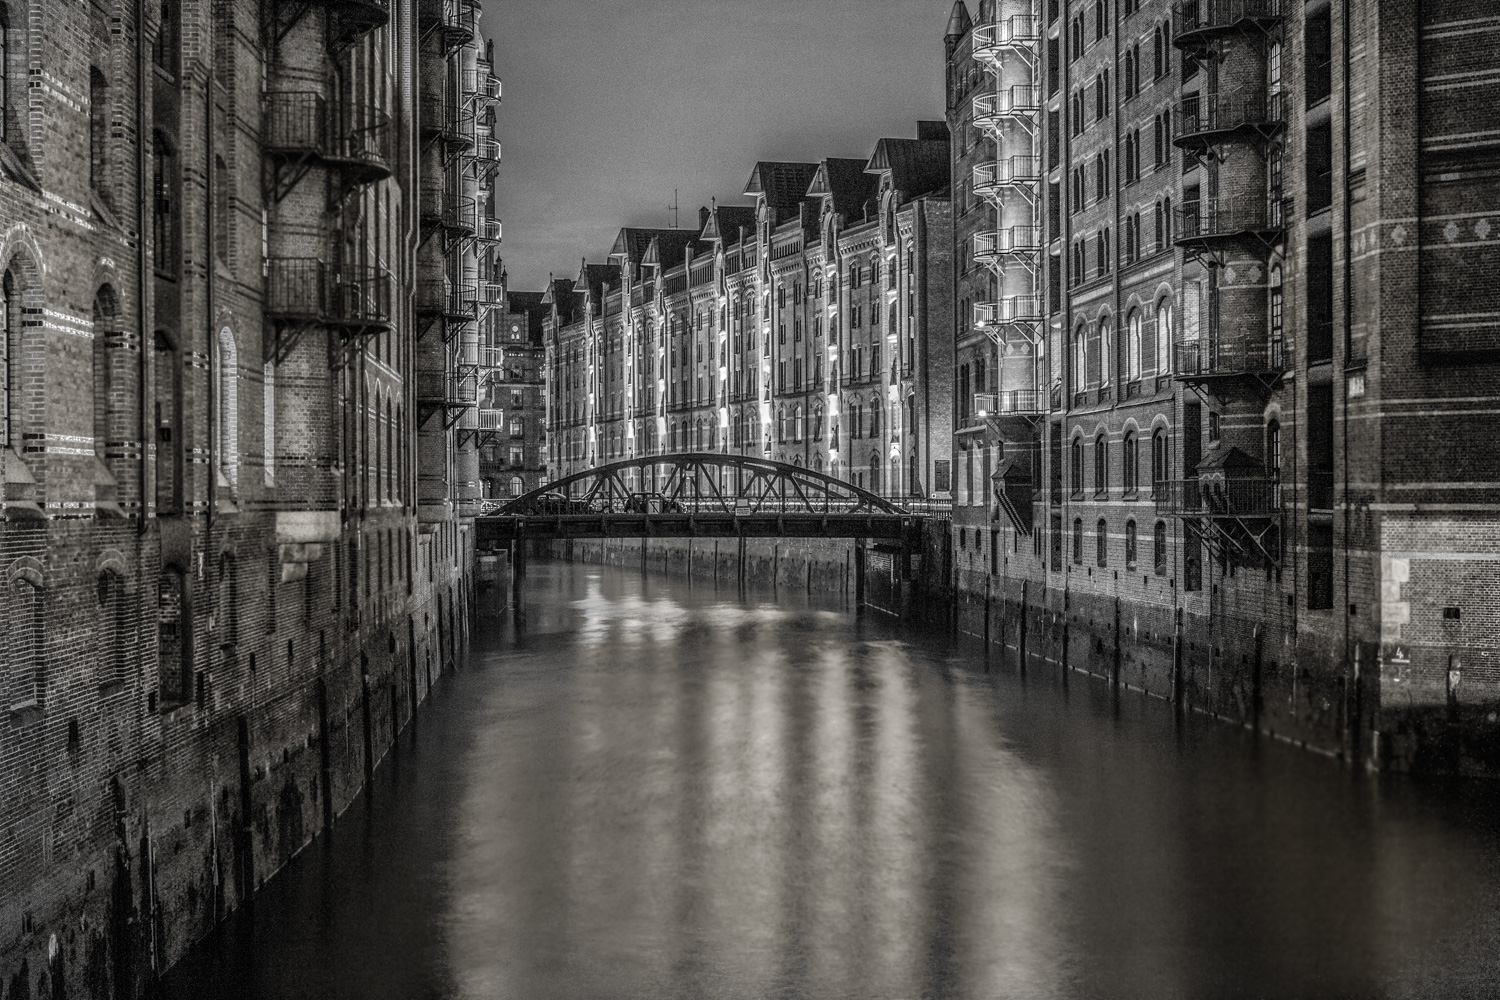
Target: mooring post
<point x="1114" y="665"/>
<point x="1021" y="638"/>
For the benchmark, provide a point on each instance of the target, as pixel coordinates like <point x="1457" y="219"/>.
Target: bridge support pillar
<point x="861" y="562"/>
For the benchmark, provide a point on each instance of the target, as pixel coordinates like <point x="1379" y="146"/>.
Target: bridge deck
<point x="502" y="528"/>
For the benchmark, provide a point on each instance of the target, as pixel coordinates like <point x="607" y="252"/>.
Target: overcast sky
<point x="610" y="104"/>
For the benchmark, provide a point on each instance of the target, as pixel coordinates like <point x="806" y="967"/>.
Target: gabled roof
<point x="669" y="247"/>
<point x="852" y="190"/>
<point x="916" y="166"/>
<point x="783" y="185"/>
<point x="725" y="222"/>
<point x="593" y="279"/>
<point x="1230" y="461"/>
<point x="958" y="22"/>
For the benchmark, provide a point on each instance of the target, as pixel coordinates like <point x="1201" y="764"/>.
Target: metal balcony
<point x="447" y="122"/>
<point x="1021" y="103"/>
<point x="438" y="297"/>
<point x="349" y="20"/>
<point x="1219" y="361"/>
<point x="1242" y="496"/>
<point x="448" y="23"/>
<point x="442" y="387"/>
<point x="1210" y="224"/>
<point x="307" y="290"/>
<point x="1024" y="404"/>
<point x="1011" y="310"/>
<point x="1020" y="173"/>
<point x="1206" y="120"/>
<point x="1196" y="23"/>
<point x="1018" y="246"/>
<point x="301" y="127"/>
<point x="1018" y="33"/>
<point x="487" y="151"/>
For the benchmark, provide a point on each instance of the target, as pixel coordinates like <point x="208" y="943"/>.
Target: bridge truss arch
<point x="700" y="482"/>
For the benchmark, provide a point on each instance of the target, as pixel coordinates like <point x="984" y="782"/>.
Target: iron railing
<point x="1014" y="402"/>
<point x="438" y="296"/>
<point x="345" y="132"/>
<point x="1210" y="218"/>
<point x="1216" y="356"/>
<point x="1192" y="16"/>
<point x="1244" y="496"/>
<point x="1201" y="115"/>
<point x="445" y="387"/>
<point x="1011" y="309"/>
<point x="310" y="289"/>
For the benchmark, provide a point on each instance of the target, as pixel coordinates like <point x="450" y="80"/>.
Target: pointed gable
<point x="782" y="185"/>
<point x="851" y="189"/>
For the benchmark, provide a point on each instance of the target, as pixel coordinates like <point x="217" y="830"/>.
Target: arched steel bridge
<point x="698" y="494"/>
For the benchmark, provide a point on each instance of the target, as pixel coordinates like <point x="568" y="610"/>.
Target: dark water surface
<point x="647" y="791"/>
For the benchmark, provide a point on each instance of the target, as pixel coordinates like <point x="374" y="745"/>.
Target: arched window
<point x="1105" y="351"/>
<point x="1163" y="336"/>
<point x="1077" y="466"/>
<point x="1130" y="463"/>
<point x="797" y="423"/>
<point x="1101" y="543"/>
<point x="114" y="628"/>
<point x="24" y="662"/>
<point x="781" y="426"/>
<point x="874" y="270"/>
<point x="517" y="486"/>
<point x="1160" y="462"/>
<point x="1277" y="318"/>
<point x="1273" y="461"/>
<point x="817" y="422"/>
<point x="1078" y="541"/>
<point x="1101" y="465"/>
<point x="874" y="472"/>
<point x="1080" y="360"/>
<point x="1159" y="548"/>
<point x="227" y="401"/>
<point x="875" y="410"/>
<point x="1133" y="346"/>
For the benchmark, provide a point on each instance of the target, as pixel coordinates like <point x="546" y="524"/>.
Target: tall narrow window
<point x="227" y="398"/>
<point x="24" y="662"/>
<point x="1159" y="548"/>
<point x="168" y="410"/>
<point x="1077" y="466"/>
<point x="105" y="317"/>
<point x="114" y="620"/>
<point x="164" y="206"/>
<point x="1101" y="465"/>
<point x="1130" y="463"/>
<point x="99" y="180"/>
<point x="222" y="213"/>
<point x="1101" y="543"/>
<point x="1130" y="545"/>
<point x="173" y="638"/>
<point x="164" y="50"/>
<point x="1160" y="462"/>
<point x="10" y="333"/>
<point x="1078" y="541"/>
<point x="5" y="56"/>
<point x="1133" y="346"/>
<point x="1163" y="336"/>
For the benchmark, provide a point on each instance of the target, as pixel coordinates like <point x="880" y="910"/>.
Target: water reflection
<point x="642" y="791"/>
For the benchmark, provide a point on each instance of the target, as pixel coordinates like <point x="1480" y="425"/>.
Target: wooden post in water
<point x="1021" y="638"/>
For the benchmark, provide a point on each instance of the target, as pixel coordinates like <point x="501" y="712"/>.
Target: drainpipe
<point x="211" y="256"/>
<point x="1344" y="396"/>
<point x="143" y="262"/>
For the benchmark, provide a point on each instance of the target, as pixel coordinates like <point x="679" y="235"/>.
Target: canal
<point x="638" y="789"/>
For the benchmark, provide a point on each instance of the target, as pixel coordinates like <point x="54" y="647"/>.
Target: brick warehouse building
<point x="232" y="563"/>
<point x="1216" y="370"/>
<point x="810" y="329"/>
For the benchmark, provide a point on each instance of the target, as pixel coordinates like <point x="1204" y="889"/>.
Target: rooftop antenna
<point x="673" y="208"/>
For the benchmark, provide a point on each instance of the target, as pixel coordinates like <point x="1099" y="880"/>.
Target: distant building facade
<point x="811" y="329"/>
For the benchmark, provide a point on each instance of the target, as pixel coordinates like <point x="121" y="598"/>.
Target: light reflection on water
<point x="644" y="791"/>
